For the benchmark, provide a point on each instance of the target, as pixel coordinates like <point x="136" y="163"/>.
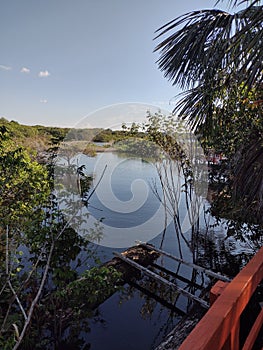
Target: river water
<point x="126" y="204"/>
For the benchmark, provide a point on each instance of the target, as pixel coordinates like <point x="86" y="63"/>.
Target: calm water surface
<point x="130" y="320"/>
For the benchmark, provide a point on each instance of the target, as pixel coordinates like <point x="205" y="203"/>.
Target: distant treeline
<point x="108" y="135"/>
<point x="41" y="137"/>
<point x="18" y="131"/>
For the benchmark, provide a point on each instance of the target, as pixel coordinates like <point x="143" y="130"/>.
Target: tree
<point x="216" y="57"/>
<point x="24" y="189"/>
<point x="24" y="183"/>
<point x="41" y="293"/>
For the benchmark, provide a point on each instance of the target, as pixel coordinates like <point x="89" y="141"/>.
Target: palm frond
<point x="197" y="106"/>
<point x="207" y="41"/>
<point x="187" y="53"/>
<point x="216" y="57"/>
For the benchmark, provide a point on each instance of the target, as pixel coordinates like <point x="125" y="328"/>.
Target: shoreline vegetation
<point x="42" y="139"/>
<point x="208" y="54"/>
<point x="41" y="142"/>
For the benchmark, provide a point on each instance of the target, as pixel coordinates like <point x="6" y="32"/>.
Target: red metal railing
<point x="219" y="328"/>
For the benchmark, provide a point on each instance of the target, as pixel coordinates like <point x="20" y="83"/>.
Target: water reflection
<point x="141" y="314"/>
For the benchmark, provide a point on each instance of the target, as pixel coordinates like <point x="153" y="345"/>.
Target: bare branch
<point x="8" y="274"/>
<point x="34" y="302"/>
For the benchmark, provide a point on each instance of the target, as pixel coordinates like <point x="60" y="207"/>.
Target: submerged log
<point x="169" y="284"/>
<point x="143" y="256"/>
<point x="81" y="297"/>
<point x="139" y="254"/>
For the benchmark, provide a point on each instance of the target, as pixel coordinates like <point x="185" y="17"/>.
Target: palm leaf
<point x="210" y="52"/>
<point x="207" y="41"/>
<point x="217" y="56"/>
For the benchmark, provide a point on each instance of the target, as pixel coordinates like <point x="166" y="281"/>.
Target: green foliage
<point x="159" y="135"/>
<point x="236" y="130"/>
<point x="216" y="57"/>
<point x="235" y="122"/>
<point x="24" y="183"/>
<point x="94" y="285"/>
<point x="41" y="138"/>
<point x="170" y="136"/>
<point x="108" y="135"/>
<point x="39" y="254"/>
<point x="35" y="137"/>
<point x="209" y="50"/>
<point x="139" y="147"/>
<point x="68" y="307"/>
<point x="82" y="134"/>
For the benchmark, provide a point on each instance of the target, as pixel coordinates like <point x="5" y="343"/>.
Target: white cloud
<point x="2" y="67"/>
<point x="43" y="100"/>
<point x="25" y="70"/>
<point x="44" y="74"/>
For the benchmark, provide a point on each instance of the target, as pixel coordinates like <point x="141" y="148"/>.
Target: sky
<point x="65" y="61"/>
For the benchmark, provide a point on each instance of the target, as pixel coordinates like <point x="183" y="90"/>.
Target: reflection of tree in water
<point x="152" y="306"/>
<point x="223" y="254"/>
<point x="152" y="288"/>
<point x="215" y="255"/>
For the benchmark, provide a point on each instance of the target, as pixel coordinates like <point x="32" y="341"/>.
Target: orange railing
<point x="219" y="328"/>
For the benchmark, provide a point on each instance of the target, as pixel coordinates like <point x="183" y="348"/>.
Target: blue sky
<point x="61" y="60"/>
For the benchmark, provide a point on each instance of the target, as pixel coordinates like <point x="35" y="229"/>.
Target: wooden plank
<point x="159" y="299"/>
<point x="194" y="266"/>
<point x="163" y="280"/>
<point x="217" y="290"/>
<point x="177" y="276"/>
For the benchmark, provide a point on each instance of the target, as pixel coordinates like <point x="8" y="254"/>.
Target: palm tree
<point x="212" y="51"/>
<point x="216" y="58"/>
